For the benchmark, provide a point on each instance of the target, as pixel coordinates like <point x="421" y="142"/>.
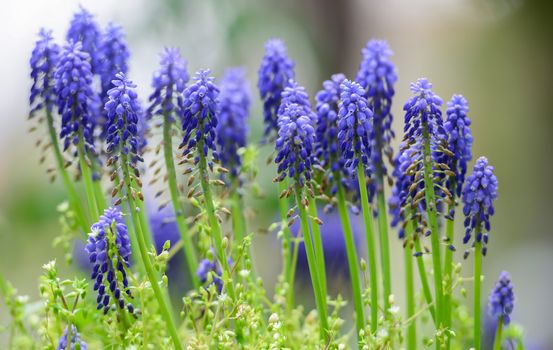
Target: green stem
<point x="87" y="179"/>
<point x="313" y="266"/>
<point x="430" y="197"/>
<point x="384" y="246"/>
<point x="158" y="293"/>
<point x="424" y="281"/>
<point x="318" y="244"/>
<point x="216" y="232"/>
<point x="448" y="267"/>
<point x="371" y="247"/>
<point x="498" y="334"/>
<point x="353" y="260"/>
<point x="410" y="296"/>
<point x="477" y="292"/>
<point x="288" y="267"/>
<point x="72" y="193"/>
<point x="189" y="251"/>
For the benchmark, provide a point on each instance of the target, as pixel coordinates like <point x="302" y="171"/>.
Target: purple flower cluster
<point x="327" y="106"/>
<point x="296" y="136"/>
<point x="114" y="55"/>
<point x="199" y="120"/>
<point x="234" y="109"/>
<point x="423" y="114"/>
<point x="83" y="28"/>
<point x="43" y="62"/>
<point x="169" y="82"/>
<point x="377" y="75"/>
<point x="65" y="344"/>
<point x="75" y="98"/>
<point x="457" y="125"/>
<point x="479" y="193"/>
<point x="275" y="71"/>
<point x="123" y="116"/>
<point x="109" y="250"/>
<point x="354" y="124"/>
<point x="502" y="299"/>
<point x="402" y="194"/>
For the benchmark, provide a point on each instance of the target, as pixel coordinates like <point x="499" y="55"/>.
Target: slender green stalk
<point x="477" y="292"/>
<point x="410" y="296"/>
<point x="189" y="251"/>
<point x="74" y="201"/>
<point x="430" y="197"/>
<point x="448" y="267"/>
<point x="353" y="260"/>
<point x="424" y="281"/>
<point x="87" y="179"/>
<point x="384" y="247"/>
<point x="216" y="232"/>
<point x="371" y="247"/>
<point x="498" y="334"/>
<point x="158" y="293"/>
<point x="288" y="267"/>
<point x="318" y="243"/>
<point x="320" y="298"/>
<point x="98" y="192"/>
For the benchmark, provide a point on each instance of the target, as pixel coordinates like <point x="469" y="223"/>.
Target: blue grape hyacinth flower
<point x="457" y="125"/>
<point x="75" y="97"/>
<point x="232" y="127"/>
<point x="502" y="299"/>
<point x="199" y="120"/>
<point x="423" y="111"/>
<point x="354" y="124"/>
<point x="275" y="71"/>
<point x="169" y="82"/>
<point x="83" y="28"/>
<point x="74" y="341"/>
<point x="294" y="93"/>
<point x="327" y="106"/>
<point x="123" y="117"/>
<point x="377" y="75"/>
<point x="109" y="249"/>
<point x="479" y="193"/>
<point x="43" y="62"/>
<point x="114" y="56"/>
<point x="294" y="145"/>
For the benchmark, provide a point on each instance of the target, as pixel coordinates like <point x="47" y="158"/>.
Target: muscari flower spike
<point x="354" y="124"/>
<point x="109" y="249"/>
<point x="43" y="62"/>
<point x="169" y="82"/>
<point x="75" y="98"/>
<point x="457" y="125"/>
<point x="502" y="299"/>
<point x="73" y="343"/>
<point x="83" y="28"/>
<point x="200" y="114"/>
<point x="479" y="193"/>
<point x="400" y="197"/>
<point x="377" y="75"/>
<point x="294" y="144"/>
<point x="232" y="127"/>
<point x="275" y="71"/>
<point x="122" y="127"/>
<point x="114" y="55"/>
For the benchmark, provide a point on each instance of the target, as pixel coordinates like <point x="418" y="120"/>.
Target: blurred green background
<point x="498" y="53"/>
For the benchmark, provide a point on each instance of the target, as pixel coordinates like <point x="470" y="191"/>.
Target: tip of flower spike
<point x="458" y="101"/>
<point x="377" y="47"/>
<point x="275" y="46"/>
<point x="422" y="85"/>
